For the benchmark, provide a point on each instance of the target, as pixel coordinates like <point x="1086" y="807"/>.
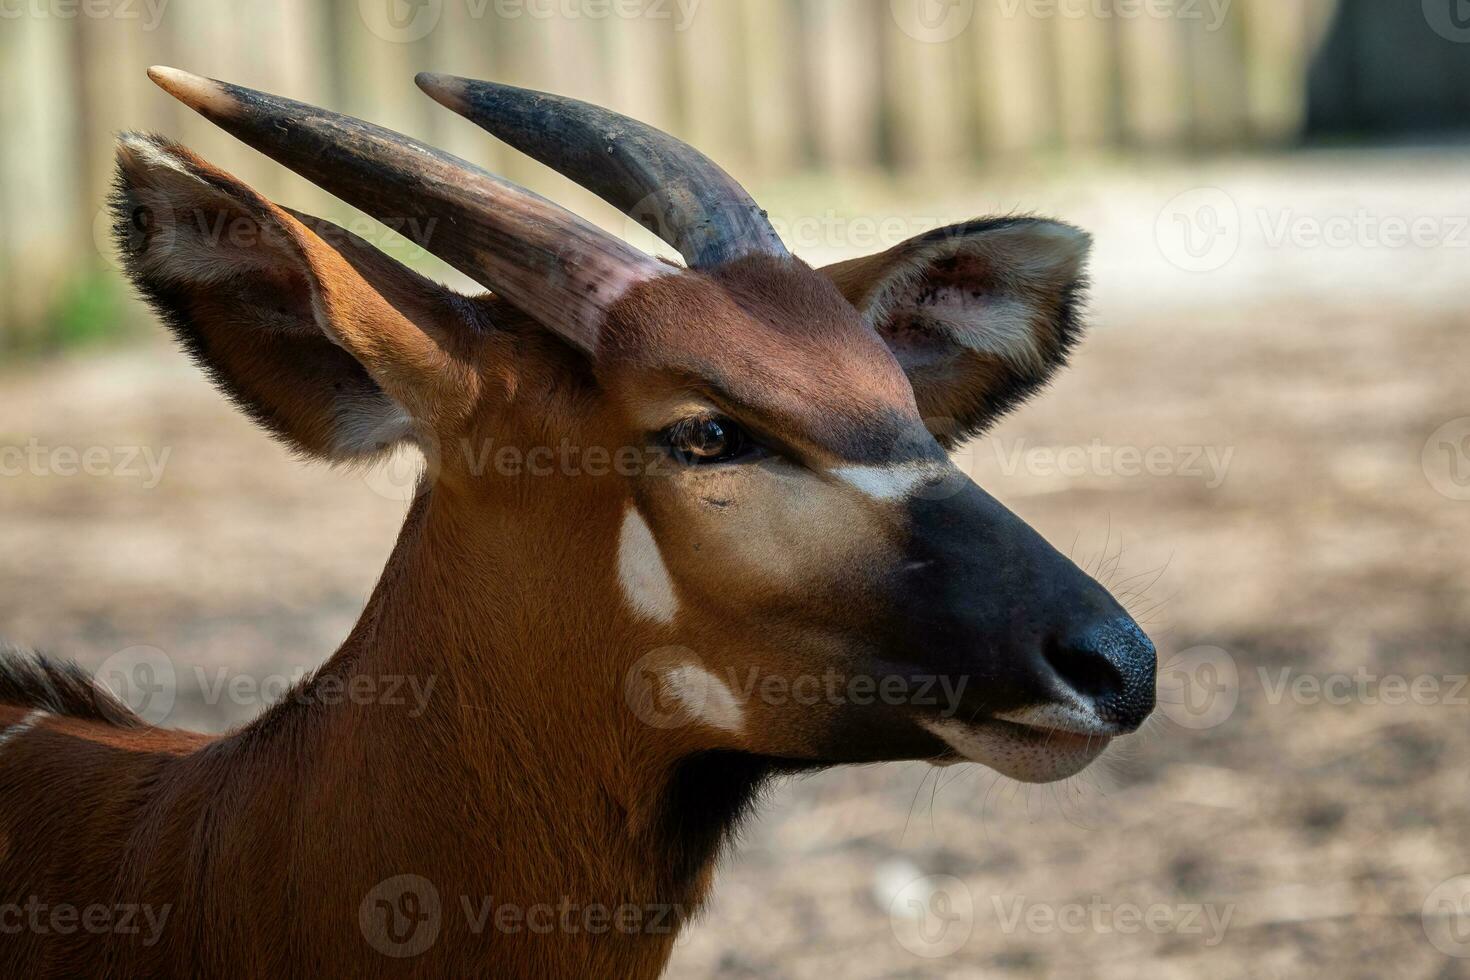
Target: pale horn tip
<point x="195" y="91"/>
<point x="447" y="90"/>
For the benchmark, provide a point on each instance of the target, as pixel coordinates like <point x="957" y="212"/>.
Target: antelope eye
<point x="708" y="439"/>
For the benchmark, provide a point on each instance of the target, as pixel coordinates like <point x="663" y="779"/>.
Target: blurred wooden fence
<point x="767" y="87"/>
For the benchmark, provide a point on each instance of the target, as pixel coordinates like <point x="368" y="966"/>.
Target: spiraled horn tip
<point x="195" y="91"/>
<point x="447" y="90"/>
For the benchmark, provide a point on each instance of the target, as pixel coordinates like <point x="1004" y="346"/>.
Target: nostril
<point x="1085" y="669"/>
<point x="1111" y="666"/>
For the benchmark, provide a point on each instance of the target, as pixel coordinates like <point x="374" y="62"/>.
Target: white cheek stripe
<point x="8" y="735"/>
<point x="706" y="697"/>
<point x="893" y="482"/>
<point x="642" y="573"/>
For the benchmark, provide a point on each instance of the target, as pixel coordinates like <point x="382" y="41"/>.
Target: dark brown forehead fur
<point x="778" y="339"/>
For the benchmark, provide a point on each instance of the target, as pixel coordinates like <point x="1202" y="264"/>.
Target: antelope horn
<point x="554" y="266"/>
<point x="664" y="183"/>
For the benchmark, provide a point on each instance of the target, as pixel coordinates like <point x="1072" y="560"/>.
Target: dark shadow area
<point x="1396" y="70"/>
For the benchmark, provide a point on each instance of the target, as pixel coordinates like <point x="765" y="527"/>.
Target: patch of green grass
<point x="90" y="308"/>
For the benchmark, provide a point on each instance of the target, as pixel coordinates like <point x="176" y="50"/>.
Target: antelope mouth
<point x="1031" y="753"/>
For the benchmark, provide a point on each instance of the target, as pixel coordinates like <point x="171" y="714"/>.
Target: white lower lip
<point x="1070" y="719"/>
<point x="1023" y="752"/>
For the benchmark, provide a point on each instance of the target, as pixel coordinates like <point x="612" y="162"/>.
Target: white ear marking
<point x="147" y="150"/>
<point x="641" y="571"/>
<point x="30" y="721"/>
<point x="995" y="325"/>
<point x="370" y="425"/>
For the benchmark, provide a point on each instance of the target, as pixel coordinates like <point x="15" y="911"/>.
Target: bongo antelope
<point x="760" y="505"/>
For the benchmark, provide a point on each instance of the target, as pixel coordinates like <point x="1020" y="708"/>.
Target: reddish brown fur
<point x="528" y="780"/>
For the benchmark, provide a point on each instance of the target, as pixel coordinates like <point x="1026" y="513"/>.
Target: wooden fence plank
<point x="774" y="84"/>
<point x="846" y="96"/>
<point x="922" y="108"/>
<point x="39" y="175"/>
<point x="1217" y="74"/>
<point x="767" y="87"/>
<point x="1277" y="51"/>
<point x="1153" y="72"/>
<point x="1087" y="99"/>
<point x="711" y="84"/>
<point x="642" y="71"/>
<point x="1016" y="80"/>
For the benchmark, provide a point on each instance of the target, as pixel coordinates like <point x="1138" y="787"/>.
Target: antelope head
<point x="717" y="492"/>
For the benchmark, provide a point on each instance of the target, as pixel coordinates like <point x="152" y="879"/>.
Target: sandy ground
<point x="1259" y="447"/>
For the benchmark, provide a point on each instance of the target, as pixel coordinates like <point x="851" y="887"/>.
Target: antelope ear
<point x="336" y="348"/>
<point x="980" y="315"/>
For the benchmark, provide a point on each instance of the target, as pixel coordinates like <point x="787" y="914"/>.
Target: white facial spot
<point x="890" y="482"/>
<point x="706" y="697"/>
<point x="8" y="735"/>
<point x="642" y="573"/>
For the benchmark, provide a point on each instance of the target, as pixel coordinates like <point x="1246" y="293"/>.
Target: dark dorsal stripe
<point x="30" y="680"/>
